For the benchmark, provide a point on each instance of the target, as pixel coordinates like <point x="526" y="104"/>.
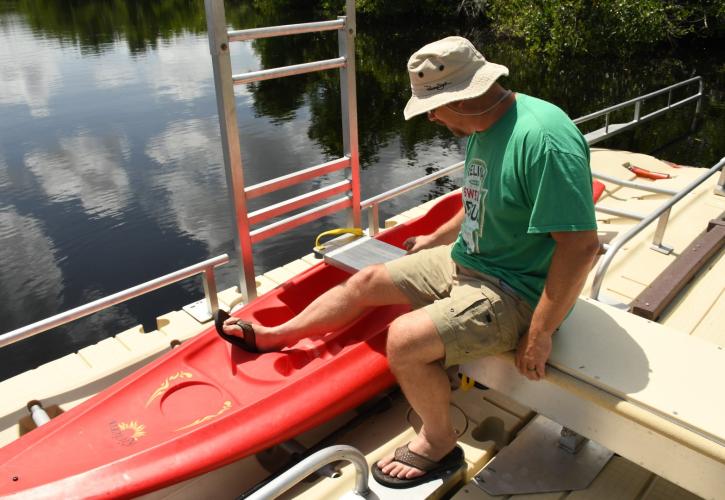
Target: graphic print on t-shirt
<point x="474" y="199"/>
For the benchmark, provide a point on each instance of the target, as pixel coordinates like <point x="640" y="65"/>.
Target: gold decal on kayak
<point x="166" y="384"/>
<point x="127" y="433"/>
<point x="225" y="407"/>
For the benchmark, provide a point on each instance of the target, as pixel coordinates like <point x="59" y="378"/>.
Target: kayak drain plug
<point x="38" y="414"/>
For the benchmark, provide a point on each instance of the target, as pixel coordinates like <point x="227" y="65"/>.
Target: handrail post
<point x="720" y="188"/>
<point x="698" y="107"/>
<point x="637" y="110"/>
<point x="374" y="219"/>
<point x="210" y="290"/>
<point x="226" y="108"/>
<point x="348" y="97"/>
<point x="660" y="234"/>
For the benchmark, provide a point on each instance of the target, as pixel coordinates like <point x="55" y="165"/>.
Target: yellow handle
<point x="466" y="382"/>
<point x="356" y="231"/>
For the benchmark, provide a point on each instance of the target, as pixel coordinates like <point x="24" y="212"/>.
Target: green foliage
<point x="562" y="27"/>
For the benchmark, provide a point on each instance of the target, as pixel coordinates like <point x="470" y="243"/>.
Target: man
<point x="504" y="272"/>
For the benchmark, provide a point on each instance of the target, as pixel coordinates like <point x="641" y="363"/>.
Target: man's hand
<point x="418" y="243"/>
<point x="531" y="355"/>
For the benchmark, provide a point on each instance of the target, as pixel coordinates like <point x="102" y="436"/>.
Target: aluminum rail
<point x="295" y="69"/>
<point x="278" y="227"/>
<point x="299" y="201"/>
<point x="627" y="214"/>
<point x="641" y="98"/>
<point x="374" y="202"/>
<point x="298" y="472"/>
<point x="283" y="30"/>
<point x="206" y="267"/>
<point x="288" y="180"/>
<point x="618" y="243"/>
<point x="611" y="129"/>
<point x="635" y="185"/>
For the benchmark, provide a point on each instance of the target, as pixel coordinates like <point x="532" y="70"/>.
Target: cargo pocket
<point x="508" y="336"/>
<point x="473" y="310"/>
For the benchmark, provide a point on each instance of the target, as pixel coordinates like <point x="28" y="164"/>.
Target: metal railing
<point x="373" y="204"/>
<point x="658" y="213"/>
<point x="210" y="293"/>
<point x="224" y="80"/>
<point x="314" y="462"/>
<point x="611" y="129"/>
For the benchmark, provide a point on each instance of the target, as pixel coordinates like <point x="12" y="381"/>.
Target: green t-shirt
<point x="526" y="176"/>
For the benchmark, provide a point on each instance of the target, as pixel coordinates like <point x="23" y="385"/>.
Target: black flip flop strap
<point x="248" y="332"/>
<point x="404" y="456"/>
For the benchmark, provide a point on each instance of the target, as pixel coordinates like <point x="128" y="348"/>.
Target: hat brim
<point x="476" y="86"/>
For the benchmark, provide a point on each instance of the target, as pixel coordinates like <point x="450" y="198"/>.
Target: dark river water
<point x="110" y="159"/>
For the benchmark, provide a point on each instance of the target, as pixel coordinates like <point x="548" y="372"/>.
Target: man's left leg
<point x="415" y="353"/>
<point x="478" y="318"/>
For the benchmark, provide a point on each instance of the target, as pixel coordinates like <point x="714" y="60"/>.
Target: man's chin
<point x="458" y="132"/>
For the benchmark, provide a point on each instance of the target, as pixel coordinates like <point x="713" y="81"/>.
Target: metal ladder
<point x="239" y="194"/>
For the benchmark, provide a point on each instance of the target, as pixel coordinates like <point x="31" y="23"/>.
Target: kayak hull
<point x="207" y="403"/>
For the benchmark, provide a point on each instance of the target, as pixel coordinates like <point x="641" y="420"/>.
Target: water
<point x="110" y="159"/>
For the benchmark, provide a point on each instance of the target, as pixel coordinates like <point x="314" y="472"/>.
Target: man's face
<point x="445" y="117"/>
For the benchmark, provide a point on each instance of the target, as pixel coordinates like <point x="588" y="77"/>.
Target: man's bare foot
<point x="265" y="337"/>
<point x="420" y="446"/>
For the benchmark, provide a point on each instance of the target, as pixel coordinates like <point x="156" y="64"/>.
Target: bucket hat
<point x="448" y="70"/>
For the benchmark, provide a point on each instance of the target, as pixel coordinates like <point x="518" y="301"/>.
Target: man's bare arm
<point x="444" y="235"/>
<point x="572" y="260"/>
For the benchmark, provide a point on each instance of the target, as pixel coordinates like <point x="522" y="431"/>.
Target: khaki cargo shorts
<point x="475" y="314"/>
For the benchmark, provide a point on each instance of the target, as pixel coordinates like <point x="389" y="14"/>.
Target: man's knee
<point x="411" y="340"/>
<point x="367" y="280"/>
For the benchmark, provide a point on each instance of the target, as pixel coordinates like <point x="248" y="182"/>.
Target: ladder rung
<point x="299" y="201"/>
<point x="288" y="180"/>
<point x="298" y="219"/>
<point x="295" y="69"/>
<point x="287" y="29"/>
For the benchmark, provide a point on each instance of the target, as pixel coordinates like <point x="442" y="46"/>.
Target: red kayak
<point x="207" y="403"/>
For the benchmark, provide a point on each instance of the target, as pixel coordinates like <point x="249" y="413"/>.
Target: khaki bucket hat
<point x="448" y="70"/>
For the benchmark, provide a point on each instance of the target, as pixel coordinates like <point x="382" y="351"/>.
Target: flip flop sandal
<point x="248" y="343"/>
<point x="433" y="470"/>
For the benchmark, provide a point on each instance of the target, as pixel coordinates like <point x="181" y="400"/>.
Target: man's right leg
<point x="330" y="311"/>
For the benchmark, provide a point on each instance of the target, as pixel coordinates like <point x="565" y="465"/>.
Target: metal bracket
<point x="198" y="310"/>
<point x="611" y="301"/>
<point x="537" y="462"/>
<point x="571" y="441"/>
<point x="665" y="249"/>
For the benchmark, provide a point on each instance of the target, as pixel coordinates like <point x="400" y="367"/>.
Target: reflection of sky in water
<point x="30" y="250"/>
<point x="192" y="177"/>
<point x="4" y="179"/>
<point x="180" y="69"/>
<point x="87" y="168"/>
<point x="30" y="68"/>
